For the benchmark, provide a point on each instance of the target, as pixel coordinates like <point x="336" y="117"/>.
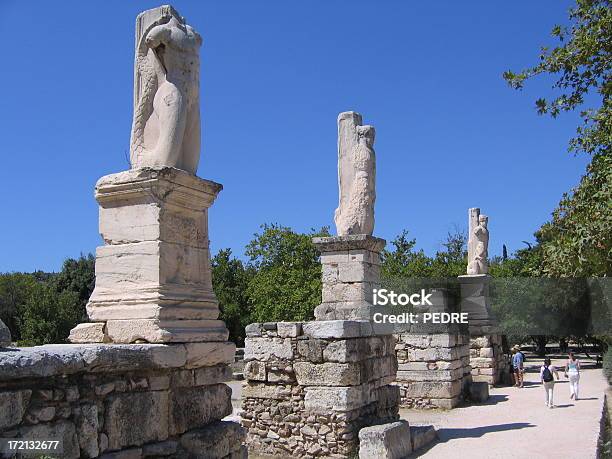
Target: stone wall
<point x="433" y="369"/>
<point x="487" y="359"/>
<point x="310" y="387"/>
<point x="121" y="401"/>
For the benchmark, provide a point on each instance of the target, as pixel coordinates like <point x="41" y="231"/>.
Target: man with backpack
<point x="548" y="381"/>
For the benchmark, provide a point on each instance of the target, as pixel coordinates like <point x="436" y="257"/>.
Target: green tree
<point x="402" y="261"/>
<point x="14" y="290"/>
<point x="230" y="281"/>
<point x="578" y="240"/>
<point x="287" y="282"/>
<point x="47" y="316"/>
<point x="582" y="64"/>
<point x="78" y="276"/>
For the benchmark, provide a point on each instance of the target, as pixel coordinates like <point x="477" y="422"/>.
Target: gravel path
<point x="515" y="423"/>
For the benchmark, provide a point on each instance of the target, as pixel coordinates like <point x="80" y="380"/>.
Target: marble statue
<point x="478" y="243"/>
<point x="166" y="124"/>
<point x="356" y="176"/>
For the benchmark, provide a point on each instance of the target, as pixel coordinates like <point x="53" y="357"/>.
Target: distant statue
<point x="166" y="125"/>
<point x="478" y="243"/>
<point x="356" y="176"/>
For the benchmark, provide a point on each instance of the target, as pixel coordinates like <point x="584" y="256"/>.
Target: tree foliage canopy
<point x="582" y="63"/>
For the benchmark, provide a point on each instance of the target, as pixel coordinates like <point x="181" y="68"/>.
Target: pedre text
<point x="427" y="317"/>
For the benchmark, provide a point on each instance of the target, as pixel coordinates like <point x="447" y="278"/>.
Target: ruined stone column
<point x="310" y="387"/>
<point x="433" y="360"/>
<point x="157" y="357"/>
<point x="486" y="353"/>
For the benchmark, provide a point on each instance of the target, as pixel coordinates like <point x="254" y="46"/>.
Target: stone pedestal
<point x="153" y="275"/>
<point x="351" y="270"/>
<point x="486" y="353"/>
<point x="433" y="359"/>
<point x="310" y="387"/>
<point x="433" y="369"/>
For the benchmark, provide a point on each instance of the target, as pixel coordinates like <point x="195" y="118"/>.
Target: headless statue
<point x="356" y="176"/>
<point x="478" y="244"/>
<point x="166" y="125"/>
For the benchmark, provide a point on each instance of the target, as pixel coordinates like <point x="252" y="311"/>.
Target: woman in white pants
<point x="572" y="371"/>
<point x="548" y="381"/>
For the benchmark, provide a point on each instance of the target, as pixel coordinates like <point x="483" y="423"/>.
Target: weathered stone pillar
<point x="310" y="387"/>
<point x="486" y="353"/>
<point x="351" y="270"/>
<point x="433" y="360"/>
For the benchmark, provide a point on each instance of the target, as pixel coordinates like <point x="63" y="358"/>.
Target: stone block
<point x="428" y="389"/>
<point x="87" y="430"/>
<point x="429" y="375"/>
<point x="327" y="374"/>
<point x="311" y="349"/>
<point x="350" y="292"/>
<point x="160" y="382"/>
<point x="487" y="352"/>
<point x="90" y="332"/>
<point x="216" y="440"/>
<point x="265" y="349"/>
<point x="390" y="441"/>
<point x="433" y="354"/>
<point x="212" y="375"/>
<point x="13" y="405"/>
<point x="161" y="449"/>
<point x="334" y="257"/>
<point x="266" y="391"/>
<point x="357" y="271"/>
<point x="61" y="430"/>
<point x="335" y="329"/>
<point x="422" y="436"/>
<point x="194" y="407"/>
<point x="254" y="330"/>
<point x="255" y="371"/>
<point x="166" y="331"/>
<point x="325" y="399"/>
<point x="209" y="354"/>
<point x="121" y="410"/>
<point x="479" y="391"/>
<point x="428" y="341"/>
<point x="289" y="329"/>
<point x="65" y="359"/>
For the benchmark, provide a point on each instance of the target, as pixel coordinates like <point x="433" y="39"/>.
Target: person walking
<point x="517" y="364"/>
<point x="572" y="371"/>
<point x="548" y="381"/>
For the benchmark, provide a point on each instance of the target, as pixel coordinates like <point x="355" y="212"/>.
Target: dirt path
<point x="515" y="423"/>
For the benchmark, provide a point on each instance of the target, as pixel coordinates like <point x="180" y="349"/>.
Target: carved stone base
<point x="351" y="270"/>
<point x="153" y="275"/>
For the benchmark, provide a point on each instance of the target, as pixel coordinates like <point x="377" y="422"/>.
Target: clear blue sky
<point x="275" y="74"/>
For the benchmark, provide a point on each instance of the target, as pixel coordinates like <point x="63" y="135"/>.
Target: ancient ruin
<point x="486" y="353"/>
<point x="433" y="361"/>
<point x="122" y="392"/>
<point x="310" y="387"/>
